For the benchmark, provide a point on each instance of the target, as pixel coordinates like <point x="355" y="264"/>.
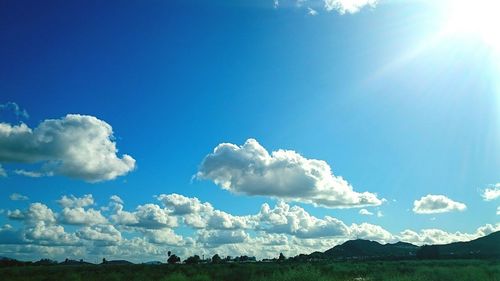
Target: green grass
<point x="444" y="270"/>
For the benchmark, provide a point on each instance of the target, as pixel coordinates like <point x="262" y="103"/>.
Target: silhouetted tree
<point x="193" y="260"/>
<point x="104" y="261"/>
<point x="216" y="259"/>
<point x="282" y="257"/>
<point x="169" y="253"/>
<point x="173" y="259"/>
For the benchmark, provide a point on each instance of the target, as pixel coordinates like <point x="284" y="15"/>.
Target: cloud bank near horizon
<point x="83" y="228"/>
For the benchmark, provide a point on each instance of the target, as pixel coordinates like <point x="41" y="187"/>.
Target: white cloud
<point x="433" y="204"/>
<point x="492" y="192"/>
<point x="164" y="236"/>
<point x="76" y="202"/>
<point x="370" y="232"/>
<point x="30" y="174"/>
<point x="150" y="216"/>
<point x="218" y="237"/>
<point x="296" y="221"/>
<point x="348" y="6"/>
<point x="365" y="212"/>
<point x="498" y="210"/>
<point x="49" y="234"/>
<point x="18" y="197"/>
<point x="116" y="199"/>
<point x="311" y="11"/>
<point x="105" y="234"/>
<point x="249" y="169"/>
<point x="77" y="146"/>
<point x="81" y="216"/>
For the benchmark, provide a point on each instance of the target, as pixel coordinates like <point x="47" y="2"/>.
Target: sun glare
<point x="479" y="19"/>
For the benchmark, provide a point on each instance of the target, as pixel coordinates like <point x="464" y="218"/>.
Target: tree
<point x="173" y="259"/>
<point x="193" y="260"/>
<point x="282" y="257"/>
<point x="169" y="253"/>
<point x="216" y="259"/>
<point x="104" y="261"/>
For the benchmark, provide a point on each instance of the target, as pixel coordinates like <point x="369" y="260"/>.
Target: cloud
<point x="348" y="6"/>
<point x="77" y="146"/>
<point x="311" y="11"/>
<point x="492" y="193"/>
<point x="103" y="234"/>
<point x="296" y="221"/>
<point x="219" y="237"/>
<point x="15" y="109"/>
<point x="30" y="174"/>
<point x="3" y="173"/>
<point x="249" y="169"/>
<point x="370" y="232"/>
<point x="498" y="210"/>
<point x="433" y="204"/>
<point x="81" y="216"/>
<point x="149" y="231"/>
<point x="76" y="202"/>
<point x="149" y="216"/>
<point x="18" y="197"/>
<point x="365" y="212"/>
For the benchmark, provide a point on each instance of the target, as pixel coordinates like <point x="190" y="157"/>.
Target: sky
<point x="132" y="128"/>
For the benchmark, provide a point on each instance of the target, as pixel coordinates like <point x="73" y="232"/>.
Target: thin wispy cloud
<point x="18" y="197"/>
<point x="15" y="109"/>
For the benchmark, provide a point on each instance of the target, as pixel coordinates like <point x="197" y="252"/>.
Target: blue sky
<point x="394" y="105"/>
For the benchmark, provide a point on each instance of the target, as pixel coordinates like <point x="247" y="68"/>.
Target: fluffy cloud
<point x="370" y="232"/>
<point x="433" y="204"/>
<point x="104" y="234"/>
<point x="18" y="197"/>
<point x="349" y="6"/>
<point x="149" y="231"/>
<point x="296" y="221"/>
<point x="250" y="169"/>
<point x="219" y="237"/>
<point x="76" y="146"/>
<point x="492" y="192"/>
<point x="150" y="216"/>
<point x="81" y="216"/>
<point x="76" y="202"/>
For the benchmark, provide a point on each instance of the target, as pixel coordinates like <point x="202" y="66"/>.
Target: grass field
<point x="464" y="270"/>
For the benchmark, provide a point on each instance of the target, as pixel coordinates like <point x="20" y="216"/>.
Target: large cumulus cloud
<point x="77" y="146"/>
<point x="250" y="169"/>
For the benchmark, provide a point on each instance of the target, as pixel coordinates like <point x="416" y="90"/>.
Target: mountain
<point x="370" y="249"/>
<point x="483" y="247"/>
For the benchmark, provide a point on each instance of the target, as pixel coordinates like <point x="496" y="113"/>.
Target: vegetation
<point x="437" y="270"/>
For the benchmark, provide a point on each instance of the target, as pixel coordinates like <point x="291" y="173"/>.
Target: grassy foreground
<point x="464" y="270"/>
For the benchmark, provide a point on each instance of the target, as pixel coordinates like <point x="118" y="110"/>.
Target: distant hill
<point x="370" y="249"/>
<point x="484" y="247"/>
<point x="118" y="262"/>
